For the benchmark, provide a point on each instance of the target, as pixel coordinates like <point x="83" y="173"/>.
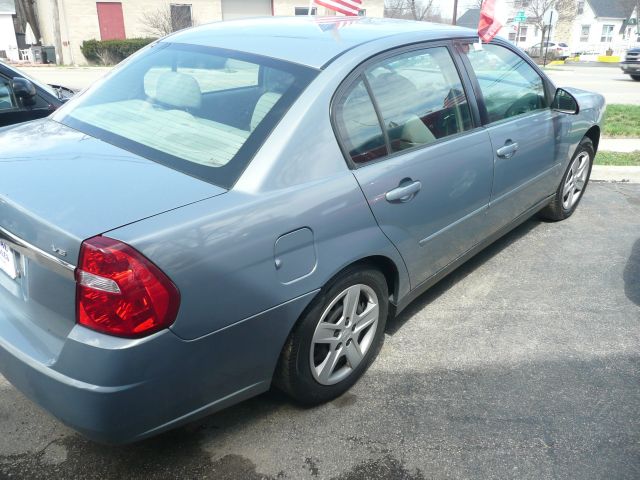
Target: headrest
<point x="178" y="90"/>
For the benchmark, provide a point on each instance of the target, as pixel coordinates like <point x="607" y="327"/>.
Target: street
<point x="523" y="363"/>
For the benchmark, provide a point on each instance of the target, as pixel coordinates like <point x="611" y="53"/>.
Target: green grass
<point x="618" y="158"/>
<point x="622" y="121"/>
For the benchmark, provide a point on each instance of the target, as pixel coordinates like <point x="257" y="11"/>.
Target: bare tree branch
<point x="167" y="19"/>
<point x="410" y="9"/>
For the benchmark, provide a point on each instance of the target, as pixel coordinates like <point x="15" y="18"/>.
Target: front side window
<point x="607" y="34"/>
<point x="509" y="85"/>
<point x="7" y="101"/>
<point x="420" y="97"/>
<point x="200" y="110"/>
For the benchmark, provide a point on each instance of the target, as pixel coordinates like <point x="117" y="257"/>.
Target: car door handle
<point x="404" y="193"/>
<point x="509" y="150"/>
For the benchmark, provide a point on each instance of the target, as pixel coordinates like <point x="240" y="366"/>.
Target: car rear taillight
<point x="120" y="292"/>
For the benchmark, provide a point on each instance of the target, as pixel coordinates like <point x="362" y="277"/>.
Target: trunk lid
<point x="58" y="187"/>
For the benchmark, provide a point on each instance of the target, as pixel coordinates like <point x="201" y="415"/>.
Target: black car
<point x="631" y="64"/>
<point x="23" y="98"/>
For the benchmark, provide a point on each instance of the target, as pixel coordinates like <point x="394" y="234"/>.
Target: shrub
<point x="110" y="52"/>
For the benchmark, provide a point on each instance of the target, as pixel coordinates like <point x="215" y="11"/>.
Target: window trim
<point x="549" y="88"/>
<point x="359" y="71"/>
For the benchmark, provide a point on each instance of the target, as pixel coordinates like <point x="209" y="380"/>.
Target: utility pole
<point x="455" y="12"/>
<point x="57" y="38"/>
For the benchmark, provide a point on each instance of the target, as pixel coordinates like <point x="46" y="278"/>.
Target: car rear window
<point x="201" y="110"/>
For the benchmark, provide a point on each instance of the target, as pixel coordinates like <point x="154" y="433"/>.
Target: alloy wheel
<point x="344" y="334"/>
<point x="576" y="180"/>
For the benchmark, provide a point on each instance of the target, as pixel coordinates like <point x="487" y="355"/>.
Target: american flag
<point x="346" y="7"/>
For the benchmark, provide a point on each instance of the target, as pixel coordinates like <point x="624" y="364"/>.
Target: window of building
<point x="580" y="7"/>
<point x="584" y="33"/>
<point x="180" y="16"/>
<point x="509" y="85"/>
<point x="305" y="10"/>
<point x="607" y="34"/>
<point x="523" y="34"/>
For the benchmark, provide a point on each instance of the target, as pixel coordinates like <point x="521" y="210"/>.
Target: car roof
<point x="308" y="40"/>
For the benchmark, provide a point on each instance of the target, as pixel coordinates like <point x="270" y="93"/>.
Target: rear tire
<point x="574" y="183"/>
<point x="328" y="349"/>
<point x="636" y="77"/>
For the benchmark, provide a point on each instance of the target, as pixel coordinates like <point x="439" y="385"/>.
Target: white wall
<point x="8" y="37"/>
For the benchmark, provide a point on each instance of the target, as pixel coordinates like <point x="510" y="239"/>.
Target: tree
<point x="410" y="9"/>
<point x="167" y="19"/>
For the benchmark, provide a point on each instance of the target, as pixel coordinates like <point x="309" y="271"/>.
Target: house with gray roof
<point x="601" y="25"/>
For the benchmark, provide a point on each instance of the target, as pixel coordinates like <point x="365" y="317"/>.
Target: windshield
<point x="200" y="110"/>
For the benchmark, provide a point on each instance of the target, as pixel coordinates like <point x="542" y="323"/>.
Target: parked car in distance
<point x="631" y="64"/>
<point x="23" y="98"/>
<point x="558" y="50"/>
<point x="229" y="209"/>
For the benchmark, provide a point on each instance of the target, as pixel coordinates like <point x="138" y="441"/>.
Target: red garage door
<point x="111" y="20"/>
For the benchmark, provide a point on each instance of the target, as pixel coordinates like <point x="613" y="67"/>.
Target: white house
<point x="593" y="26"/>
<point x="524" y="35"/>
<point x="601" y="25"/>
<point x="8" y="42"/>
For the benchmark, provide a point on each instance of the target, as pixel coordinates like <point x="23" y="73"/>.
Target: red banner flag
<point x="489" y="25"/>
<point x="346" y="7"/>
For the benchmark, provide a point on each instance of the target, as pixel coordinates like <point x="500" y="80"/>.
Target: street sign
<point x="550" y="17"/>
<point x="520" y="17"/>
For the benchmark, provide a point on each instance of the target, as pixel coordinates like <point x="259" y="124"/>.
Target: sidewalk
<point x="609" y="173"/>
<point x="619" y="144"/>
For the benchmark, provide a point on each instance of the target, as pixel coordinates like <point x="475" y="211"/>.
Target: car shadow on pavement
<point x="461" y="273"/>
<point x="632" y="275"/>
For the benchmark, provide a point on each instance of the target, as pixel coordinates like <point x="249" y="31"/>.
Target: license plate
<point x="8" y="261"/>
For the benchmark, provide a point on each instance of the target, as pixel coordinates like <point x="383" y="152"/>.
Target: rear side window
<point x="359" y="126"/>
<point x="509" y="85"/>
<point x="201" y="110"/>
<point x="419" y="99"/>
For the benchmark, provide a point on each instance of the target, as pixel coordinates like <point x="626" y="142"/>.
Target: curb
<point x="607" y="173"/>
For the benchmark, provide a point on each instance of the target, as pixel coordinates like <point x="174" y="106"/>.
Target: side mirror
<point x="23" y="88"/>
<point x="565" y="102"/>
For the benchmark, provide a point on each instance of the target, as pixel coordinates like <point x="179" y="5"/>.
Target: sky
<point x="446" y="7"/>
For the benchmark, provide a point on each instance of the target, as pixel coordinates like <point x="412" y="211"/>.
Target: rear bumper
<point x="116" y="390"/>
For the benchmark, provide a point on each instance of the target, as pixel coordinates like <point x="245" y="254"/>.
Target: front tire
<point x="574" y="183"/>
<point x="636" y="77"/>
<point x="336" y="339"/>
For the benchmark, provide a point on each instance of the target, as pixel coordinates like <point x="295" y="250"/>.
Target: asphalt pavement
<point x="607" y="80"/>
<point x="524" y="363"/>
